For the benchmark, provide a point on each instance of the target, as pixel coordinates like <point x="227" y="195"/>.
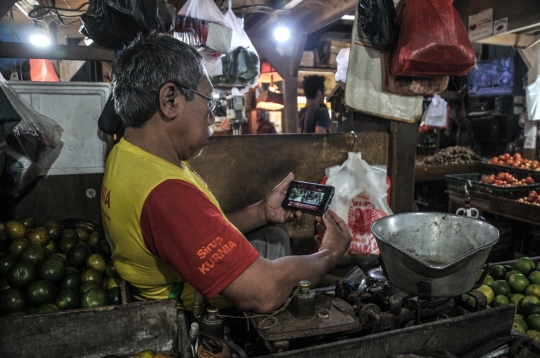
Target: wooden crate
<point x="121" y="330"/>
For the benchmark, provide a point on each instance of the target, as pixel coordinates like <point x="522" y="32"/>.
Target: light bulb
<point x="40" y="40"/>
<point x="282" y="34"/>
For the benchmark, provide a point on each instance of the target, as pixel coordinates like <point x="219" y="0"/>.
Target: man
<point x="162" y="221"/>
<point x="314" y="116"/>
<point x="264" y="126"/>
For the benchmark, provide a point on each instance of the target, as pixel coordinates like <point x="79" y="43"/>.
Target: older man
<point x="164" y="224"/>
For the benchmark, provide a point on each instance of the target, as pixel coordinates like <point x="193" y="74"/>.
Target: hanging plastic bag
<point x="436" y="115"/>
<point x="533" y="100"/>
<point x="42" y="71"/>
<point x="115" y="23"/>
<point x="34" y="141"/>
<point x="378" y="21"/>
<point x="200" y="23"/>
<point x="360" y="199"/>
<point x="413" y="86"/>
<point x="342" y="60"/>
<point x="432" y="41"/>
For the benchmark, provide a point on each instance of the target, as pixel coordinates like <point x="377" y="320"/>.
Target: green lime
<point x="533" y="321"/>
<point x="38" y="236"/>
<point x="72" y="280"/>
<point x="534" y="334"/>
<point x="21" y="274"/>
<point x="517" y="300"/>
<point x="529" y="308"/>
<point x="518" y="282"/>
<point x="53" y="229"/>
<point x="521" y="323"/>
<point x="96" y="262"/>
<point x="104" y="249"/>
<point x="110" y="270"/>
<point x="510" y="273"/>
<point x="29" y="222"/>
<point x="86" y="286"/>
<point x="488" y="292"/>
<point x="500" y="300"/>
<point x="83" y="233"/>
<point x="488" y="280"/>
<point x="34" y="254"/>
<point x="95" y="297"/>
<point x="6" y="262"/>
<point x="4" y="285"/>
<point x="54" y="269"/>
<point x="500" y="287"/>
<point x="68" y="299"/>
<point x="40" y="292"/>
<point x="12" y="299"/>
<point x="93" y="239"/>
<point x="525" y="265"/>
<point x="92" y="275"/>
<point x="17" y="245"/>
<point x="534" y="277"/>
<point x="533" y="290"/>
<point x="16" y="229"/>
<point x="114" y="295"/>
<point x="67" y="242"/>
<point x="47" y="308"/>
<point x="78" y="255"/>
<point x="497" y="272"/>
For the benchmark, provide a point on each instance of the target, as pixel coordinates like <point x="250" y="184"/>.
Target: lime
<point x="92" y="275"/>
<point x="72" y="280"/>
<point x="40" y="292"/>
<point x="16" y="229"/>
<point x="53" y="269"/>
<point x="4" y="285"/>
<point x="110" y="270"/>
<point x="93" y="239"/>
<point x="85" y="286"/>
<point x="67" y="242"/>
<point x="533" y="290"/>
<point x="77" y="255"/>
<point x="488" y="280"/>
<point x="534" y="277"/>
<point x="534" y="334"/>
<point x="12" y="299"/>
<point x="95" y="297"/>
<point x="497" y="272"/>
<point x="517" y="300"/>
<point x="83" y="233"/>
<point x="500" y="300"/>
<point x="147" y="353"/>
<point x="518" y="282"/>
<point x="96" y="262"/>
<point x="53" y="229"/>
<point x="34" y="254"/>
<point x="38" y="236"/>
<point x="114" y="296"/>
<point x="21" y="274"/>
<point x="533" y="321"/>
<point x="28" y="221"/>
<point x="52" y="247"/>
<point x="6" y="262"/>
<point x="47" y="308"/>
<point x="113" y="282"/>
<point x="510" y="273"/>
<point x="533" y="299"/>
<point x="17" y="246"/>
<point x="104" y="249"/>
<point x="68" y="299"/>
<point x="500" y="287"/>
<point x="519" y="321"/>
<point x="488" y="292"/>
<point x="525" y="265"/>
<point x="529" y="308"/>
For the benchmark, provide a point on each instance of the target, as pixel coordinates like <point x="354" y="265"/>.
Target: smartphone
<point x="308" y="197"/>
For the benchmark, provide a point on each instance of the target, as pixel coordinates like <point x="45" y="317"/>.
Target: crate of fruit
<point x="526" y="207"/>
<point x="483" y="186"/>
<point x="514" y="164"/>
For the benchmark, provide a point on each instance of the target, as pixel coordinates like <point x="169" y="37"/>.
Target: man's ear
<point x="169" y="100"/>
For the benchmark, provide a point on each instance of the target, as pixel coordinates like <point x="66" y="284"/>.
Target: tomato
<point x="529" y="180"/>
<point x="494" y="160"/>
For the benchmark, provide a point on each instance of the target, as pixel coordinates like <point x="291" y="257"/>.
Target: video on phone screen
<point x="306" y="196"/>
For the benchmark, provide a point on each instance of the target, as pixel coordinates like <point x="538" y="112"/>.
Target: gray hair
<point x="144" y="66"/>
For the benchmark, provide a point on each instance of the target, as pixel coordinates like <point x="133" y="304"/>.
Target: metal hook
<point x="354" y="142"/>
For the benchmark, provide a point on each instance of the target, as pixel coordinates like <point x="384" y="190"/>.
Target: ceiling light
<point x="347" y="17"/>
<point x="281" y="33"/>
<point x="40" y="40"/>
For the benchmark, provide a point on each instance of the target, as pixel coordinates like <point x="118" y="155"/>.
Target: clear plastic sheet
<point x="432" y="41"/>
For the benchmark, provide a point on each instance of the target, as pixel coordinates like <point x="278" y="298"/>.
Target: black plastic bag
<point x="115" y="23"/>
<point x="240" y="68"/>
<point x="378" y="21"/>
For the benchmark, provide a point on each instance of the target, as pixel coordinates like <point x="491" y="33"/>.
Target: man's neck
<point x="311" y="102"/>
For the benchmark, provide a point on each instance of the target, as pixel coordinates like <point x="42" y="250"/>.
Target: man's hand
<point x="273" y="211"/>
<point x="332" y="233"/>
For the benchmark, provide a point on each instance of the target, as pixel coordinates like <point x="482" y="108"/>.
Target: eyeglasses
<point x="211" y="102"/>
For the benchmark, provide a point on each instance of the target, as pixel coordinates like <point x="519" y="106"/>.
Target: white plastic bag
<point x="360" y="198"/>
<point x="342" y="60"/>
<point x="200" y="23"/>
<point x="436" y="115"/>
<point x="533" y="100"/>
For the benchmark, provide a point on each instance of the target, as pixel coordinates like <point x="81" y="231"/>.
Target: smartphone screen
<point x="308" y="197"/>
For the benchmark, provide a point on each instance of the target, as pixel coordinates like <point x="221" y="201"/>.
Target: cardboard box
<point x="308" y="59"/>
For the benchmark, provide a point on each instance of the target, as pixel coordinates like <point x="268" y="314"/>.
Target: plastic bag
<point x="413" y="86"/>
<point x="432" y="41"/>
<point x="360" y="199"/>
<point x="33" y="142"/>
<point x="342" y="60"/>
<point x="115" y="23"/>
<point x="533" y="100"/>
<point x="436" y="115"/>
<point x="42" y="71"/>
<point x="200" y="23"/>
<point x="378" y="20"/>
<point x="240" y="68"/>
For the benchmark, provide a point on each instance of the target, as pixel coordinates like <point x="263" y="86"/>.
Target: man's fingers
<point x="284" y="185"/>
<point x="318" y="240"/>
<point x="340" y="223"/>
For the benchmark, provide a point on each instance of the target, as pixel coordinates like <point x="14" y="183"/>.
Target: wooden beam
<point x="5" y="6"/>
<point x="55" y="52"/>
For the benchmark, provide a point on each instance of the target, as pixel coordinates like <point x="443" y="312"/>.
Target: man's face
<point x="194" y="126"/>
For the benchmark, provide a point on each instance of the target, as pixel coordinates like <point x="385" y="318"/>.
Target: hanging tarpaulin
<point x="365" y="79"/>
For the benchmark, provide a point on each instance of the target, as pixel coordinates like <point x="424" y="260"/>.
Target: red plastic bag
<point x="42" y="71"/>
<point x="432" y="41"/>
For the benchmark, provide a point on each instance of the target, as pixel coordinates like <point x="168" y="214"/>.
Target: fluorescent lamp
<point x="347" y="17"/>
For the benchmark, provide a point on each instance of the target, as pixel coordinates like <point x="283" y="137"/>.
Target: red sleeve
<point x="182" y="226"/>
